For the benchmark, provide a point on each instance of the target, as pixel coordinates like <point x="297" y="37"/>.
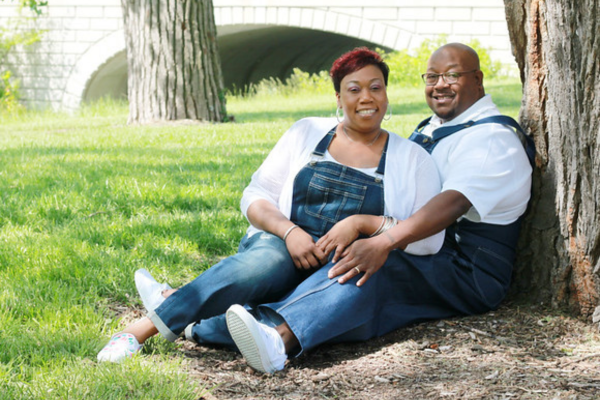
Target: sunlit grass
<point x="86" y="199"/>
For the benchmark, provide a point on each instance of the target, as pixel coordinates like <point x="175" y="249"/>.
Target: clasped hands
<point x="351" y="257"/>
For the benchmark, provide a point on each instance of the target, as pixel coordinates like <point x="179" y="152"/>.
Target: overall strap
<point x="381" y="167"/>
<point x="422" y="140"/>
<point x="319" y="151"/>
<point x="429" y="143"/>
<point x="526" y="140"/>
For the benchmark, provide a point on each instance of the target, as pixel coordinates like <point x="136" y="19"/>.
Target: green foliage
<point x="34" y="5"/>
<point x="11" y="36"/>
<point x="9" y="94"/>
<point x="299" y="82"/>
<point x="406" y="69"/>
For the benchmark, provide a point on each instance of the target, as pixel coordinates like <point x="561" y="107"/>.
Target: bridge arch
<point x="254" y="43"/>
<point x="262" y="42"/>
<point x="359" y="27"/>
<point x="100" y="71"/>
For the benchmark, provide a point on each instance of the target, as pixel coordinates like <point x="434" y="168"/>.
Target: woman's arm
<point x="420" y="233"/>
<point x="301" y="246"/>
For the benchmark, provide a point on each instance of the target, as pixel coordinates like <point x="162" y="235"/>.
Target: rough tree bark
<point x="173" y="63"/>
<point x="556" y="45"/>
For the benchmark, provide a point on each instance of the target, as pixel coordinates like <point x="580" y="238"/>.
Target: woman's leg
<point x="214" y="331"/>
<point x="320" y="309"/>
<point x="142" y="329"/>
<point x="261" y="272"/>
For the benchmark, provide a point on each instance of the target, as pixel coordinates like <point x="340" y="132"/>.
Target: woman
<point x="320" y="172"/>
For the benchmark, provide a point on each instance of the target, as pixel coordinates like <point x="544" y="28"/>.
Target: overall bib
<point x="324" y="193"/>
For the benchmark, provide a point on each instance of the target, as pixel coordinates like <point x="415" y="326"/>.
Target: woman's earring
<point x="337" y="115"/>
<point x="390" y="114"/>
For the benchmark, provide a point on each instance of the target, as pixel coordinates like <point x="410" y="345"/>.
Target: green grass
<point x="85" y="200"/>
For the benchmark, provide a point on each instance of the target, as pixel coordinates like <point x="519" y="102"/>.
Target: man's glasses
<point x="448" y="77"/>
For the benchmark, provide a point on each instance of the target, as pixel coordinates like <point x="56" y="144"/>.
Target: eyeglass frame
<point x="444" y="76"/>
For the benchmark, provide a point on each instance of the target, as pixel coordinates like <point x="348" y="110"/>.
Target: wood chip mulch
<point x="516" y="352"/>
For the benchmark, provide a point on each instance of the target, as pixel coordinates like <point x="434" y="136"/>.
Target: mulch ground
<point x="516" y="352"/>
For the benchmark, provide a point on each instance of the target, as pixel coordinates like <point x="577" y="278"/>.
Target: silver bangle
<point x="378" y="230"/>
<point x="291" y="228"/>
<point x="387" y="223"/>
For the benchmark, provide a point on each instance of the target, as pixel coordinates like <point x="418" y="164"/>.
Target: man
<point x="486" y="181"/>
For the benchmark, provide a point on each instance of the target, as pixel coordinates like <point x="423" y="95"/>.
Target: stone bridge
<point x="82" y="54"/>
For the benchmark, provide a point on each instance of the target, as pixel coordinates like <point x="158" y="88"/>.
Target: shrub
<point x="299" y="82"/>
<point x="406" y="69"/>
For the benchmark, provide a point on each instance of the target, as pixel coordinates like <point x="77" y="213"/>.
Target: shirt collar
<point x="472" y="113"/>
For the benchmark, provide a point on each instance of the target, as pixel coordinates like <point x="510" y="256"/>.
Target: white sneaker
<point x="149" y="289"/>
<point x="120" y="347"/>
<point x="261" y="345"/>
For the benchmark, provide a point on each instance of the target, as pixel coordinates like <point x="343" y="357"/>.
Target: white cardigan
<point x="410" y="180"/>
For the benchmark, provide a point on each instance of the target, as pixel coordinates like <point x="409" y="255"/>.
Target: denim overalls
<point x="262" y="271"/>
<point x="469" y="275"/>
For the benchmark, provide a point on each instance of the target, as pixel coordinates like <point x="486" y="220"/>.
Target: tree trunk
<point x="173" y="63"/>
<point x="556" y="45"/>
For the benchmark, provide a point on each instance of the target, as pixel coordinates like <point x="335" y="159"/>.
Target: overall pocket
<point x="332" y="200"/>
<point x="491" y="273"/>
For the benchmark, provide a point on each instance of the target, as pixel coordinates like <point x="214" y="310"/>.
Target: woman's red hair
<point x="354" y="60"/>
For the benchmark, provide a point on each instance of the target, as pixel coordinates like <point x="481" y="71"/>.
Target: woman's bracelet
<point x="386" y="223"/>
<point x="291" y="228"/>
<point x="378" y="230"/>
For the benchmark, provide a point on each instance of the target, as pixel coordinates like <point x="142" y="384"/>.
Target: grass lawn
<point x="85" y="200"/>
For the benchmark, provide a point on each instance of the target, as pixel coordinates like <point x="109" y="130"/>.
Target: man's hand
<point x="364" y="256"/>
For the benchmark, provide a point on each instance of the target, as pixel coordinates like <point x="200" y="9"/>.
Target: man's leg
<point x="321" y="309"/>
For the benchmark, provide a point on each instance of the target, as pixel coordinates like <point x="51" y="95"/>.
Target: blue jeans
<point x="262" y="271"/>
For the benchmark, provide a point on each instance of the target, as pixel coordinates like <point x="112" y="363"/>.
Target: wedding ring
<point x="357" y="270"/>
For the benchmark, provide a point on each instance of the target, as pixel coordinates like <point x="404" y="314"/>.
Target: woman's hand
<point x="305" y="253"/>
<point x="340" y="237"/>
<point x="364" y="256"/>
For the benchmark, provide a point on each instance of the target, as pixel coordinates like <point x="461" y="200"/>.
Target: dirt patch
<point x="513" y="353"/>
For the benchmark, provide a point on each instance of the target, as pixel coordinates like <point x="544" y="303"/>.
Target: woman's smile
<point x="363" y="98"/>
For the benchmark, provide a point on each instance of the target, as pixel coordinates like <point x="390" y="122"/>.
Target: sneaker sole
<point x="244" y="334"/>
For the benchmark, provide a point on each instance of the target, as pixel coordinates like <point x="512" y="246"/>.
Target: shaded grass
<point x="85" y="200"/>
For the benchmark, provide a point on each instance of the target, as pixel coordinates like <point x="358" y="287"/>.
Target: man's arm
<point x="368" y="255"/>
<point x="438" y="214"/>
